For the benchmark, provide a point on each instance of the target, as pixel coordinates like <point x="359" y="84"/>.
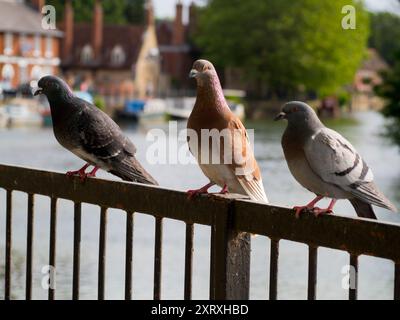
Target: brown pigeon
<point x="219" y="141"/>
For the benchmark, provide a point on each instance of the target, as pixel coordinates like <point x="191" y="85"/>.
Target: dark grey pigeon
<point x="325" y="163"/>
<point x="90" y="134"/>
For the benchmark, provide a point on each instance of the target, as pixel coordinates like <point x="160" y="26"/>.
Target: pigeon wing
<point x="335" y="161"/>
<point x="100" y="136"/>
<point x="244" y="164"/>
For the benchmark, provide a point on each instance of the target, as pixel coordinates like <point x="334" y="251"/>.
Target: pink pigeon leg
<point x="319" y="211"/>
<point x="79" y="172"/>
<point x="224" y="190"/>
<point x="192" y="193"/>
<point x="91" y="174"/>
<point x="308" y="206"/>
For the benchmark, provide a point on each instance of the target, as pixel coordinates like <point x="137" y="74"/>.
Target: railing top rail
<point x="357" y="236"/>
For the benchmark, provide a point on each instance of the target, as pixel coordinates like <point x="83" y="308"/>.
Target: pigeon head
<point x="53" y="87"/>
<point x="299" y="114"/>
<point x="295" y="111"/>
<point x="203" y="71"/>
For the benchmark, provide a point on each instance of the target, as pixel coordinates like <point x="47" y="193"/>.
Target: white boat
<point x="21" y="115"/>
<point x="181" y="108"/>
<point x="143" y="109"/>
<point x="4" y="118"/>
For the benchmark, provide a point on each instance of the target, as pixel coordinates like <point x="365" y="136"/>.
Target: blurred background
<point x="131" y="58"/>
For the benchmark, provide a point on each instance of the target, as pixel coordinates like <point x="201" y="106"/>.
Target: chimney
<point x="38" y="4"/>
<point x="178" y="37"/>
<point x="97" y="29"/>
<point x="68" y="29"/>
<point x="149" y="11"/>
<point x="192" y="18"/>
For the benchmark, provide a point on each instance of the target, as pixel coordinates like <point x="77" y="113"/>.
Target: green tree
<point x="385" y="35"/>
<point x="134" y="12"/>
<point x="115" y="11"/>
<point x="285" y="45"/>
<point x="390" y="91"/>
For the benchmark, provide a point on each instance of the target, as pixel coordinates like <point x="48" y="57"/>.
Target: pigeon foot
<point x="202" y="190"/>
<point x="91" y="174"/>
<point x="82" y="174"/>
<point x="319" y="211"/>
<point x="308" y="206"/>
<point x="329" y="210"/>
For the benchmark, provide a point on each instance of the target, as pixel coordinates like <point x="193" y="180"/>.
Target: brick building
<point x="27" y="51"/>
<point x="119" y="61"/>
<point x="176" y="48"/>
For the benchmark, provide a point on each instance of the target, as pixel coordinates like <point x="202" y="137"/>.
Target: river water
<point x="38" y="148"/>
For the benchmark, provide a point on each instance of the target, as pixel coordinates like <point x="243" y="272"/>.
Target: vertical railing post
<point x="230" y="259"/>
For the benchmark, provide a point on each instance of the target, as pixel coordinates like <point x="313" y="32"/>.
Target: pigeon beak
<point x="38" y="91"/>
<point x="280" y="116"/>
<point x="193" y="73"/>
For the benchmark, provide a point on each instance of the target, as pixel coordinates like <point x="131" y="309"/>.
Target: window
<point x="37" y="50"/>
<point x="36" y="73"/>
<point x="49" y="47"/>
<point x="8" y="43"/>
<point x="24" y="45"/>
<point x="117" y="56"/>
<point x="86" y="54"/>
<point x="7" y="72"/>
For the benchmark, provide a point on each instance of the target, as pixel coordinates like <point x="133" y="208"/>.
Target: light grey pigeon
<point x="325" y="163"/>
<point x="90" y="134"/>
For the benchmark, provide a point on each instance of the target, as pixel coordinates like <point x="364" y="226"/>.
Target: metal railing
<point x="231" y="221"/>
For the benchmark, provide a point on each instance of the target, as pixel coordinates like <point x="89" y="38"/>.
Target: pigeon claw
<point x="300" y="209"/>
<point x="319" y="211"/>
<point x="193" y="193"/>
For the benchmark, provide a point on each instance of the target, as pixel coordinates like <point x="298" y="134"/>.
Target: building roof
<point x="17" y="17"/>
<point x="128" y="37"/>
<point x="374" y="62"/>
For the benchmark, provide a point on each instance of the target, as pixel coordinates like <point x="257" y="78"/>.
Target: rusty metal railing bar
<point x="29" y="247"/>
<point x="354" y="235"/>
<point x="353" y="277"/>
<point x="273" y="270"/>
<point x="312" y="272"/>
<point x="397" y="281"/>
<point x="158" y="258"/>
<point x="131" y="197"/>
<point x="188" y="261"/>
<point x="128" y="255"/>
<point x="102" y="253"/>
<point x="77" y="250"/>
<point x="52" y="246"/>
<point x="7" y="276"/>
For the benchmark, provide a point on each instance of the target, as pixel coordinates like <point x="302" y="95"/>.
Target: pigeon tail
<point x="363" y="209"/>
<point x="369" y="193"/>
<point x="131" y="170"/>
<point x="254" y="189"/>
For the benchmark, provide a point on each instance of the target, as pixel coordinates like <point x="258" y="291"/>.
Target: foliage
<point x="385" y="28"/>
<point x="115" y="11"/>
<point x="99" y="102"/>
<point x="283" y="44"/>
<point x="390" y="91"/>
